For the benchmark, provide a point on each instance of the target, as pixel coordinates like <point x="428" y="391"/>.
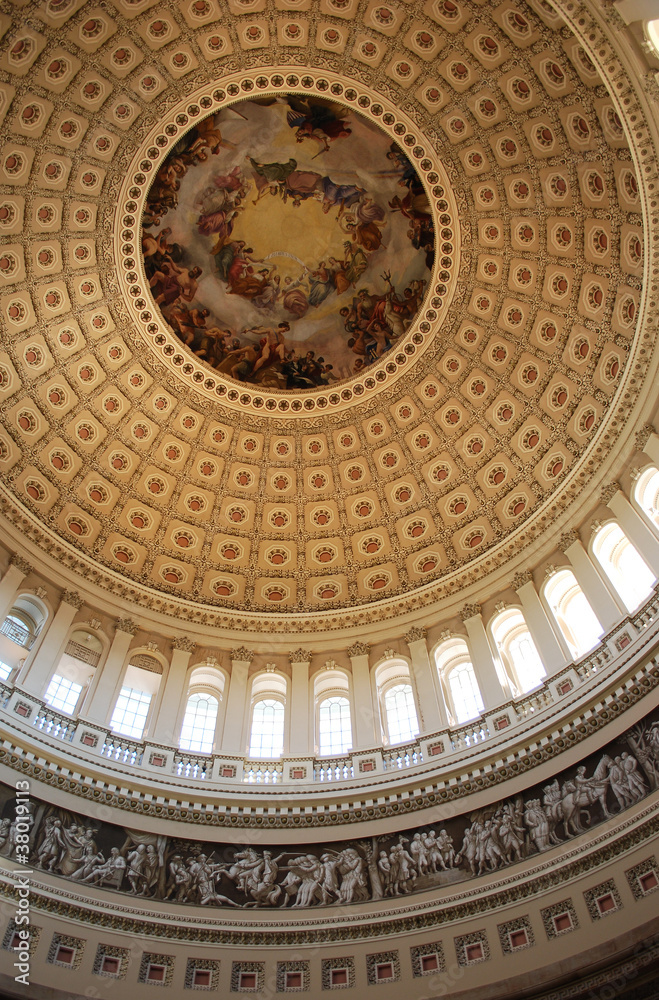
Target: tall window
<point x="130" y="713"/>
<point x="517" y="650"/>
<point x="267" y="735"/>
<point x="63" y="694"/>
<point x="623" y="565"/>
<point x="458" y="679"/>
<point x="646" y="495"/>
<point x="402" y="723"/>
<point x="334" y="727"/>
<point x="572" y="612"/>
<point x="140" y="686"/>
<point x="198" y="729"/>
<point x="465" y="693"/>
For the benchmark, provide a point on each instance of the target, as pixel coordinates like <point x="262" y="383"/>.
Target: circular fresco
<point x="288" y="242"/>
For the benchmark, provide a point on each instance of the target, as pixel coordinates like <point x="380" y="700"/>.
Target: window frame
<point x="503" y="644"/>
<point x="201" y="692"/>
<point x="449" y="656"/>
<point x="557" y="615"/>
<point x="265" y="696"/>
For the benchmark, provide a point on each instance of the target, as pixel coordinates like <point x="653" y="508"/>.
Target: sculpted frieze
<point x="450" y="850"/>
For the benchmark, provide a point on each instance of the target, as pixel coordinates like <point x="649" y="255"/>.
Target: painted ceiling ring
<point x="276" y="300"/>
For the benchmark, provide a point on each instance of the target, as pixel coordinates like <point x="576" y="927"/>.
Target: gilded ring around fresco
<point x="288" y="242"/>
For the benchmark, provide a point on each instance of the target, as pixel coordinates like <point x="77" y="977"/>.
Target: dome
<point x="329" y="493"/>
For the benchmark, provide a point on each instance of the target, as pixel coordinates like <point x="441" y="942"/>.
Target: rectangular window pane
<point x="130" y="712"/>
<point x="63" y="694"/>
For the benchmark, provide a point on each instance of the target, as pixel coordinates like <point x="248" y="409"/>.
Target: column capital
<point x="126" y="625"/>
<point x="21" y="564"/>
<point x="522" y="578"/>
<point x="242" y="654"/>
<point x="182" y="642"/>
<point x="470" y="611"/>
<point x="359" y="649"/>
<point x="644" y="435"/>
<point x="73" y="598"/>
<point x="415" y="633"/>
<point x="300" y="656"/>
<point x="567" y="539"/>
<point x="609" y="490"/>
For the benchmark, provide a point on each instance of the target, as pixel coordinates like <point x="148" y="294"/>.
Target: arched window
<point x="334" y="726"/>
<point x="74" y="671"/>
<point x="459" y="680"/>
<point x="646" y="495"/>
<point x="402" y="722"/>
<point x="198" y="729"/>
<point x="333" y="718"/>
<point x="205" y="691"/>
<point x="24" y="622"/>
<point x="267" y="735"/>
<point x="268" y="725"/>
<point x="622" y="563"/>
<point x="572" y="612"/>
<point x="398" y="713"/>
<point x="517" y="650"/>
<point x="140" y="685"/>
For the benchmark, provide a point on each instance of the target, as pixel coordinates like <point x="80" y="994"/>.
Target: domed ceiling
<point x="202" y="202"/>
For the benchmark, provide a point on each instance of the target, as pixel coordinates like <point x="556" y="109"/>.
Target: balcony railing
<point x="623" y="648"/>
<point x="20" y="634"/>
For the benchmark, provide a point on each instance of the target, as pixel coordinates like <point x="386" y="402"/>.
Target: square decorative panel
<point x="247" y="977"/>
<point x="111" y="961"/>
<point x="515" y="935"/>
<point x="156" y="970"/>
<point x="338" y="973"/>
<point x="66" y="951"/>
<point x="643" y="878"/>
<point x="472" y="948"/>
<point x="603" y="899"/>
<point x="427" y="959"/>
<point x="559" y="918"/>
<point x="293" y="977"/>
<point x="201" y="974"/>
<point x="10" y="940"/>
<point x="383" y="967"/>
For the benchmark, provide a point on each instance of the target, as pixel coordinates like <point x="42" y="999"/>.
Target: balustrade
<point x="263" y="773"/>
<point x="613" y="653"/>
<point x="192" y="766"/>
<point x="123" y="751"/>
<point x="395" y="758"/>
<point x="18" y="633"/>
<point x="61" y="727"/>
<point x="334" y="769"/>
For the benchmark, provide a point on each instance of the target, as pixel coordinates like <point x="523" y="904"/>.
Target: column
<point x="634" y="526"/>
<point x="542" y="631"/>
<point x="14" y="575"/>
<point x="598" y="595"/>
<point x="366" y="719"/>
<point x="636" y="10"/>
<point x="300" y="743"/>
<point x="432" y="716"/>
<point x="648" y="441"/>
<point x="483" y="660"/>
<point x="52" y="644"/>
<point x="164" y="729"/>
<point x="101" y="702"/>
<point x="233" y="740"/>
